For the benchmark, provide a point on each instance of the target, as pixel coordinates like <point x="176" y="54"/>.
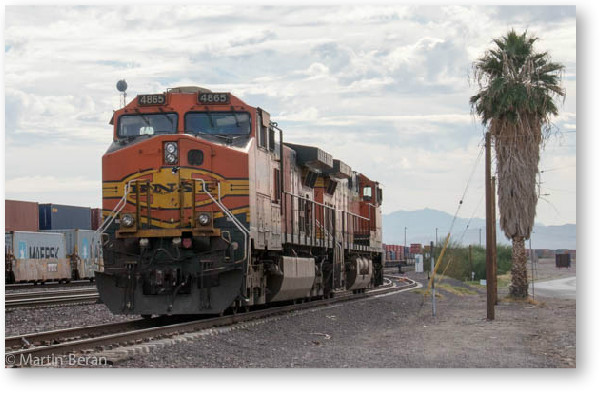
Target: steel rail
<point x="54" y="336"/>
<point x="51" y="301"/>
<point x="145" y="334"/>
<point x="50" y="293"/>
<point x="51" y="284"/>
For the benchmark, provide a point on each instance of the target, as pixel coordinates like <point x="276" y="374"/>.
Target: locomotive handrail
<point x="121" y="204"/>
<point x="309" y="200"/>
<point x="236" y="222"/>
<point x="353" y="214"/>
<point x="117" y="209"/>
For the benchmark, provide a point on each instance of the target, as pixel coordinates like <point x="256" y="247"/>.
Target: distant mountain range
<point x="421" y="228"/>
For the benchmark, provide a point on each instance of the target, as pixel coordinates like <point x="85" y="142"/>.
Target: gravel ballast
<point x="390" y="331"/>
<point x="40" y="319"/>
<point x="396" y="330"/>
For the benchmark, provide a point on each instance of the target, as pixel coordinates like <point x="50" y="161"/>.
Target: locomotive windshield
<point x="147" y="124"/>
<point x="217" y="123"/>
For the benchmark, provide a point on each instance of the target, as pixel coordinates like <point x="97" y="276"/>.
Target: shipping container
<point x="54" y="216"/>
<point x="84" y="249"/>
<point x="416" y="248"/>
<point x="8" y="243"/>
<point x="38" y="257"/>
<point x="96" y="219"/>
<point x="20" y="216"/>
<point x="563" y="260"/>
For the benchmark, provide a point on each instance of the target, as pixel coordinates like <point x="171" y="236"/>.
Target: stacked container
<point x="416" y="248"/>
<point x="96" y="218"/>
<point x="394" y="252"/>
<point x="54" y="217"/>
<point x="20" y="216"/>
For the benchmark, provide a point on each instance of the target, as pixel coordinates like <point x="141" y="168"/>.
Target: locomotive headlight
<point x="170" y="153"/>
<point x="170" y="158"/>
<point x="204" y="219"/>
<point x="127" y="220"/>
<point x="171" y="147"/>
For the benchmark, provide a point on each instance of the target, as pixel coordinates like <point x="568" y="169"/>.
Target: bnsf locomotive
<point x="207" y="209"/>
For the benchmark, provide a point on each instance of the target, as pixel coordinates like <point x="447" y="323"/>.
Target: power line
<point x="553" y="206"/>
<point x="560" y="190"/>
<point x="469" y="181"/>
<point x="557" y="168"/>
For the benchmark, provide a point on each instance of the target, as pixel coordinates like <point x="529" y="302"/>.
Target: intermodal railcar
<point x="207" y="209"/>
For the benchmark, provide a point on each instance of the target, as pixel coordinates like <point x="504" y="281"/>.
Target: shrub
<point x="456" y="261"/>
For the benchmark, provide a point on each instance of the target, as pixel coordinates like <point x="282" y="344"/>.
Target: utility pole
<point x="490" y="301"/>
<point x="433" y="280"/>
<point x="436" y="235"/>
<point x="494" y="238"/>
<point x="469" y="257"/>
<point x="480" y="237"/>
<point x="405" y="236"/>
<point x="531" y="262"/>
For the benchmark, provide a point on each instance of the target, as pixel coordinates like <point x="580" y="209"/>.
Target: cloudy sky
<point x="383" y="88"/>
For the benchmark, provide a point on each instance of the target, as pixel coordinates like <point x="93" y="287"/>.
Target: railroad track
<point x="50" y="298"/>
<point x="51" y="284"/>
<point x="74" y="340"/>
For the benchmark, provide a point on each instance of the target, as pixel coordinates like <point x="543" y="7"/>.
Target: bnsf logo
<point x="167" y="188"/>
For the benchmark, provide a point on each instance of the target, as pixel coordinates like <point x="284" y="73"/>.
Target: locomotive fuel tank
<point x="293" y="278"/>
<point x="359" y="273"/>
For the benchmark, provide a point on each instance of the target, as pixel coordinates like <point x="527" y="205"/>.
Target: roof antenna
<point x="122" y="87"/>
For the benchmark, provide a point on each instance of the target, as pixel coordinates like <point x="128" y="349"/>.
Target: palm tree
<point x="515" y="100"/>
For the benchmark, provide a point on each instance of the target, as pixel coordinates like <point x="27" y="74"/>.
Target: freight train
<point x="59" y="255"/>
<point x="207" y="209"/>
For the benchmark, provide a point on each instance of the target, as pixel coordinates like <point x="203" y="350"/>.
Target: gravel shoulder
<point x="396" y="331"/>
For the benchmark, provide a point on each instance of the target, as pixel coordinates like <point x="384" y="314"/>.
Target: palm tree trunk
<point x="519" y="269"/>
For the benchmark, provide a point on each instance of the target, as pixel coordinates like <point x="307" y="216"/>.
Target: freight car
<point x="206" y="209"/>
<point x="62" y="256"/>
<point x="35" y="257"/>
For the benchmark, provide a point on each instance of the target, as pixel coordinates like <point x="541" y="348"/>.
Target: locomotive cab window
<point x="367" y="193"/>
<point x="261" y="131"/>
<point x="147" y="124"/>
<point x="217" y="123"/>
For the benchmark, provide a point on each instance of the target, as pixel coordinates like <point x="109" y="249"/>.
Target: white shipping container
<point x="8" y="243"/>
<point x="83" y="246"/>
<point x="419" y="263"/>
<point x="39" y="256"/>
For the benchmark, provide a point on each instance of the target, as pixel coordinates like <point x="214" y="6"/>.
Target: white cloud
<point x="389" y="82"/>
<point x="43" y="184"/>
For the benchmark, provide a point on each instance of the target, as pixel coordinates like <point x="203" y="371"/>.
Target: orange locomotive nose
<point x="209" y="209"/>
